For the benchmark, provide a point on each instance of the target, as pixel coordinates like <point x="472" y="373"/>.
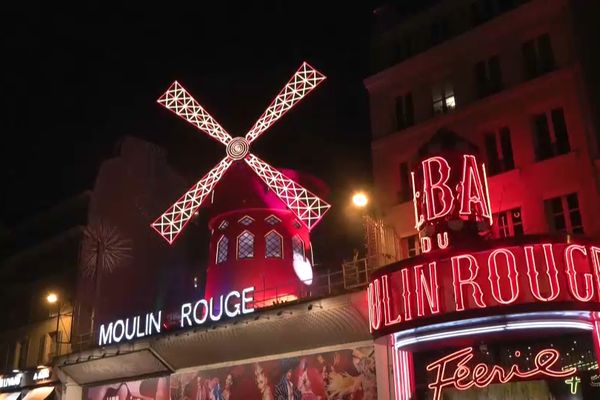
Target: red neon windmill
<point x="305" y="205"/>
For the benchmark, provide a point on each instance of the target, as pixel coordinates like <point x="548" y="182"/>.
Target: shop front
<point x="37" y="384"/>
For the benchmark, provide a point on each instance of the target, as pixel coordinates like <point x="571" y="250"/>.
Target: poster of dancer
<point x="338" y="375"/>
<point x="144" y="389"/>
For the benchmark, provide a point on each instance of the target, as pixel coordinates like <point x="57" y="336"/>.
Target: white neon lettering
<point x="105" y="334"/>
<point x="212" y="307"/>
<point x="129" y="335"/>
<point x="118" y="337"/>
<point x="248" y="298"/>
<point x="186" y="310"/>
<point x="204" y="315"/>
<point x="236" y="305"/>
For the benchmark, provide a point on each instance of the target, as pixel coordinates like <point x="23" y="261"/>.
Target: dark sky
<point x="76" y="77"/>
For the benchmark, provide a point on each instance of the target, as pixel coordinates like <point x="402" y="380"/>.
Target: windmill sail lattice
<point x="305" y="205"/>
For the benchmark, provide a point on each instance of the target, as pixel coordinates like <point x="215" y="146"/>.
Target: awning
<point x="40" y="393"/>
<point x="10" y="396"/>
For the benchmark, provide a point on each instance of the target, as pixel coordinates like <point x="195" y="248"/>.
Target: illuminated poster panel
<point x="144" y="389"/>
<point x="342" y="374"/>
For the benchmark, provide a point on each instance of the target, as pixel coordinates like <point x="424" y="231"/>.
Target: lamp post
<point x="52" y="298"/>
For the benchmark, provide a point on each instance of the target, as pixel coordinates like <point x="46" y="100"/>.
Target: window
<point x="508" y="223"/>
<point x="21" y="353"/>
<point x="298" y="247"/>
<point x="223" y="225"/>
<point x="440" y="31"/>
<point x="273" y="245"/>
<point x="443" y="98"/>
<point x="563" y="214"/>
<point x="488" y="77"/>
<point x="404" y="111"/>
<point x="272" y="220"/>
<point x="45" y="347"/>
<point x="405" y="192"/>
<point x="245" y="245"/>
<point x="246" y="220"/>
<point x="411" y="245"/>
<point x="498" y="147"/>
<point x="548" y="142"/>
<point x="222" y="249"/>
<point x="538" y="57"/>
<point x="482" y="11"/>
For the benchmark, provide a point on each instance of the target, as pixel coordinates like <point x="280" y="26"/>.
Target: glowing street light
<point x="360" y="199"/>
<point x="52" y="298"/>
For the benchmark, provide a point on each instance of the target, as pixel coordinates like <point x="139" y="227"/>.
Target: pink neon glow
<point x="463" y="377"/>
<point x="440" y="186"/>
<point x="552" y="275"/>
<point x="459" y="281"/>
<point x="472" y="190"/>
<point x="419" y="218"/>
<point x="516" y="275"/>
<point x="308" y="208"/>
<point x="374" y="300"/>
<point x="389" y="319"/>
<point x="596" y="333"/>
<point x="572" y="272"/>
<point x="403" y="374"/>
<point x="511" y="272"/>
<point x="442" y="240"/>
<point x="427" y="288"/>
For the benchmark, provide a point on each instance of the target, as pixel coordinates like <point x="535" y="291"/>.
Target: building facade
<point x="513" y="81"/>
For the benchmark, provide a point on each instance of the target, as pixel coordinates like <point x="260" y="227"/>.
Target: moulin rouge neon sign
<point x="196" y="313"/>
<point x="540" y="273"/>
<point x="453" y="371"/>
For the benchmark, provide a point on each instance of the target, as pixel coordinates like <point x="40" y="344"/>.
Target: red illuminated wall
<point x="531" y="181"/>
<point x="241" y="196"/>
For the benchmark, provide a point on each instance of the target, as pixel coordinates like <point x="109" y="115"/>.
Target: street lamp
<point x="360" y="199"/>
<point x="52" y="298"/>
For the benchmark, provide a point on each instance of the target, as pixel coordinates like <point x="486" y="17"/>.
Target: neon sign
<point x="11" y="381"/>
<point x="464" y="377"/>
<point x="508" y="276"/>
<point x="441" y="195"/>
<point x="197" y="313"/>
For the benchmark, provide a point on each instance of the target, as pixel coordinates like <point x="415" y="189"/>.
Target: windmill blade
<point x="179" y="101"/>
<point x="308" y="207"/>
<point x="304" y="81"/>
<point x="170" y="224"/>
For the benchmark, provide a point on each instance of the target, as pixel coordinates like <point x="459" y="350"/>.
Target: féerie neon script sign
<point x="464" y="377"/>
<point x="191" y="314"/>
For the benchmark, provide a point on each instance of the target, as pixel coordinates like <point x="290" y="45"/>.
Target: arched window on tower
<point x="298" y="247"/>
<point x="273" y="245"/>
<point x="222" y="248"/>
<point x="245" y="245"/>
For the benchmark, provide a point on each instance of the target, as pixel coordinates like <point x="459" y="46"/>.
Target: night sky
<point x="77" y="77"/>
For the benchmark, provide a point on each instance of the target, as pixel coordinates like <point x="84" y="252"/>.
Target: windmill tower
<point x="260" y="238"/>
